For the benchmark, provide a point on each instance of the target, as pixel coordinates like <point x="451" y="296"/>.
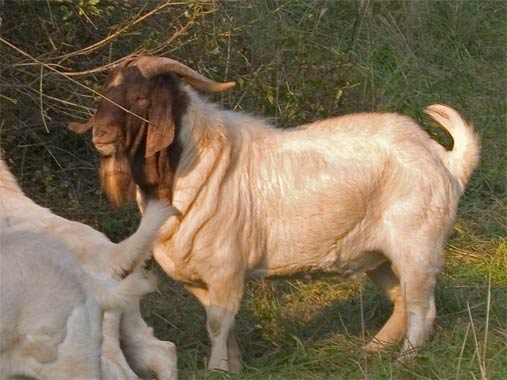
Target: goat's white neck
<point x="200" y="114"/>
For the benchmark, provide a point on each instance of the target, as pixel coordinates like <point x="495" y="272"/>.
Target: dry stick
<point x="104" y="41"/>
<point x="66" y="102"/>
<point x="34" y="64"/>
<point x="247" y="87"/>
<point x="29" y="89"/>
<point x="133" y="54"/>
<point x="180" y="31"/>
<point x="487" y="320"/>
<point x="477" y="349"/>
<point x="363" y="335"/>
<point x="41" y="104"/>
<point x="174" y="36"/>
<point x="166" y="321"/>
<point x="364" y="9"/>
<point x="100" y="68"/>
<point x="72" y="80"/>
<point x="227" y="62"/>
<point x="462" y="351"/>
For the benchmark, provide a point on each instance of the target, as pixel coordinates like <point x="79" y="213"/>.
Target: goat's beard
<point x="116" y="179"/>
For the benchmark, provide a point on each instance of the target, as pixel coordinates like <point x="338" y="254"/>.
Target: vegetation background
<point x="294" y="61"/>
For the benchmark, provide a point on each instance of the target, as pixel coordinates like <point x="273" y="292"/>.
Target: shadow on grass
<point x="325" y="323"/>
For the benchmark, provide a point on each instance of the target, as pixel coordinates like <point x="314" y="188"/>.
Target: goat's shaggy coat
<point x="56" y="278"/>
<point x="368" y="192"/>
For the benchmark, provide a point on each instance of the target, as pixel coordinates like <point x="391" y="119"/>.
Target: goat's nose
<point x="104" y="136"/>
<point x="99" y="132"/>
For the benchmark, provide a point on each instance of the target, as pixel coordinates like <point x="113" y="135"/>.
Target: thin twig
<point x="477" y="349"/>
<point x="166" y="321"/>
<point x="104" y="41"/>
<point x="72" y="80"/>
<point x="136" y="52"/>
<point x="462" y="351"/>
<point x="488" y="306"/>
<point x="41" y="103"/>
<point x="176" y="34"/>
<point x="364" y="9"/>
<point x="99" y="69"/>
<point x="363" y="334"/>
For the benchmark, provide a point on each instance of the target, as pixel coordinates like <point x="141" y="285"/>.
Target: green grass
<point x="314" y="330"/>
<point x="295" y="61"/>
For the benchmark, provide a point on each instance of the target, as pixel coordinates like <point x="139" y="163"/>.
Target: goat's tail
<point x="120" y="294"/>
<point x="135" y="250"/>
<point x="465" y="154"/>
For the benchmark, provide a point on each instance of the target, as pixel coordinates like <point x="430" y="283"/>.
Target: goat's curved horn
<point x="152" y="66"/>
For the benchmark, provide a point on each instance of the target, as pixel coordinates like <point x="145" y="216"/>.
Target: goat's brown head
<point x="136" y="124"/>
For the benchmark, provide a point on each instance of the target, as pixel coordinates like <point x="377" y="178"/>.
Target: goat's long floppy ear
<point x="161" y="129"/>
<point x="79" y="128"/>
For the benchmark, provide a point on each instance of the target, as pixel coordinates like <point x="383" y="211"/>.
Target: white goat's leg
<point x="234" y="359"/>
<point x="114" y="363"/>
<point x="234" y="353"/>
<point x="222" y="302"/>
<point x="396" y="326"/>
<point x="220" y="322"/>
<point x="79" y="353"/>
<point x="418" y="285"/>
<point x="144" y="351"/>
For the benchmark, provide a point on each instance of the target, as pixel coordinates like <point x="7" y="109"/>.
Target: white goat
<point x="56" y="277"/>
<point x="368" y="192"/>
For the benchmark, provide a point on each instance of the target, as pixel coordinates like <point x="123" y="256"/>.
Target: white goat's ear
<point x="79" y="128"/>
<point x="161" y="130"/>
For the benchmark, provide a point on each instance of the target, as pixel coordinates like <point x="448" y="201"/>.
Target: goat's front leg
<point x="114" y="363"/>
<point x="220" y="321"/>
<point x="221" y="301"/>
<point x="144" y="351"/>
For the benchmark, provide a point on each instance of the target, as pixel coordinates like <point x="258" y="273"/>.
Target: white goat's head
<point x="136" y="123"/>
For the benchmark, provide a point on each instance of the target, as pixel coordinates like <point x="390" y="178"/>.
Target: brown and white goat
<point x="366" y="192"/>
<point x="56" y="278"/>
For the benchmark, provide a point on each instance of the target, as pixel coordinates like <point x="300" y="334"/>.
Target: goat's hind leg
<point x="418" y="286"/>
<point x="396" y="327"/>
<point x="418" y="267"/>
<point x="234" y="353"/>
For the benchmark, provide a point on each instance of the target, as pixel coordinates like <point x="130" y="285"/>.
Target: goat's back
<point x="41" y="289"/>
<point x="325" y="192"/>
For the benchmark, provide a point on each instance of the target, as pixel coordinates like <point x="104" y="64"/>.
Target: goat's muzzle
<point x="106" y="139"/>
<point x="105" y="149"/>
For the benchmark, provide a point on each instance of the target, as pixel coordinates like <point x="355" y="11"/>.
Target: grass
<point x="314" y="329"/>
<point x="295" y="61"/>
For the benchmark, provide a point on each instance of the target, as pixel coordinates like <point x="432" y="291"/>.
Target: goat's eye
<point x="141" y="101"/>
<point x="136" y="98"/>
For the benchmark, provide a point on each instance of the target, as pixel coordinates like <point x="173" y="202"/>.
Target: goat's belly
<point x="334" y="262"/>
